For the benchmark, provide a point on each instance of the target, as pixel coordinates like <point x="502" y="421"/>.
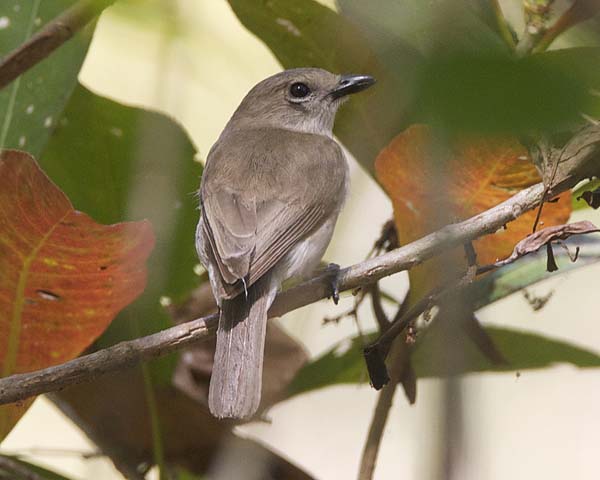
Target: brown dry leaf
<point x="537" y="240"/>
<point x="480" y="173"/>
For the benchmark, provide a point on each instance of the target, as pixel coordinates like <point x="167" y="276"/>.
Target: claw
<point x="333" y="270"/>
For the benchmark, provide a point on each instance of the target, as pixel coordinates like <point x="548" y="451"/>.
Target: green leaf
<point x="587" y="186"/>
<point x="184" y="474"/>
<point x="31" y="105"/>
<point x="41" y="472"/>
<point x="426" y="26"/>
<point x="345" y="364"/>
<point x="118" y="163"/>
<point x="531" y="269"/>
<point x="497" y="93"/>
<point x="303" y="33"/>
<point x="523" y="350"/>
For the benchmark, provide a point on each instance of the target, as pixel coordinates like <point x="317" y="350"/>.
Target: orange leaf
<point x="480" y="173"/>
<point x="63" y="277"/>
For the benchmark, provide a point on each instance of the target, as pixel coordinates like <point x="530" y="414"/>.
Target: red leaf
<point x="64" y="277"/>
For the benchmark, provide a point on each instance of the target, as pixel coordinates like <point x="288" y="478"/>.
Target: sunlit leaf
<point x="31" y="105"/>
<point x="64" y="276"/>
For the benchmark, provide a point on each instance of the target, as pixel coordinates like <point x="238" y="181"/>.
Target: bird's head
<point x="301" y="99"/>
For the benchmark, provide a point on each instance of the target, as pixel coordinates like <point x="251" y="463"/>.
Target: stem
<point x="49" y="38"/>
<point x="502" y="24"/>
<point x="157" y="443"/>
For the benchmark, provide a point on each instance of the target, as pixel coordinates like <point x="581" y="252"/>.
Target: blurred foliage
<point x="440" y="62"/>
<point x="118" y="163"/>
<point x="531" y="269"/>
<point x="499" y="94"/>
<point x="153" y="15"/>
<point x="121" y="423"/>
<point x="444" y="62"/>
<point x="31" y="105"/>
<point x="344" y="363"/>
<point x="305" y="33"/>
<point x="523" y="350"/>
<point x="42" y="473"/>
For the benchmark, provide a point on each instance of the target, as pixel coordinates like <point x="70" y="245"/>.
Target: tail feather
<point x="236" y="381"/>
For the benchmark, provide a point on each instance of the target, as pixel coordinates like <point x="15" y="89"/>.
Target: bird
<point x="270" y="194"/>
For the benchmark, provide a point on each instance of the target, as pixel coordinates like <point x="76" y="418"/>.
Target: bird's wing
<point x="230" y="226"/>
<point x="245" y="248"/>
<point x="249" y="230"/>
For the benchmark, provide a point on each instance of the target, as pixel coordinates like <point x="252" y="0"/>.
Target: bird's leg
<point x="332" y="271"/>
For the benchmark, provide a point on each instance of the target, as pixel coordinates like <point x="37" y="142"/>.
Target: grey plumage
<point x="271" y="192"/>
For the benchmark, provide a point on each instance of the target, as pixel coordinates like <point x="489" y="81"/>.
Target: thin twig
<point x="578" y="12"/>
<point x="373" y="442"/>
<point x="382" y="320"/>
<point x="49" y="38"/>
<point x="397" y="369"/>
<point x="376" y="353"/>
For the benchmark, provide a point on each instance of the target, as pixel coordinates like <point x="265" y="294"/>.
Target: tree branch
<point x="49" y="38"/>
<point x="21" y="386"/>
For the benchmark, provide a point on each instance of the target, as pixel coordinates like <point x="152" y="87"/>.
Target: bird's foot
<point x="332" y="271"/>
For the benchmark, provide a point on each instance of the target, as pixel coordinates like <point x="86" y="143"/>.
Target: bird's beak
<point x="351" y="84"/>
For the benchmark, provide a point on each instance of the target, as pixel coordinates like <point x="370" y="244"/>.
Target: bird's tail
<point x="236" y="381"/>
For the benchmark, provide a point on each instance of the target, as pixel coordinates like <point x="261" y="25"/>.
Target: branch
<point x="49" y="38"/>
<point x="21" y="386"/>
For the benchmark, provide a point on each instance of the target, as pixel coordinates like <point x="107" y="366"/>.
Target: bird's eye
<point x="299" y="90"/>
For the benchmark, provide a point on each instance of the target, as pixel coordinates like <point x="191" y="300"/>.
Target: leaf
<point x="523" y="351"/>
<point x="30" y="467"/>
<point x="117" y="163"/>
<point x="535" y="241"/>
<point x="492" y="93"/>
<point x="64" y="276"/>
<point x="426" y="26"/>
<point x="587" y="195"/>
<point x="480" y="173"/>
<point x="530" y="270"/>
<point x="591" y="197"/>
<point x="32" y="104"/>
<point x="304" y="33"/>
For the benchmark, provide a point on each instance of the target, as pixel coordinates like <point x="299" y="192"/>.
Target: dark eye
<point x="299" y="90"/>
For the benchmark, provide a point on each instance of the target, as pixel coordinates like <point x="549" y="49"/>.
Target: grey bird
<point x="271" y="191"/>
